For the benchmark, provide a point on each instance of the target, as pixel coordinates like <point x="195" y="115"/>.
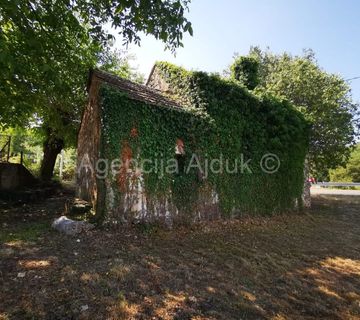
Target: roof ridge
<point x="135" y="90"/>
<point x="109" y="74"/>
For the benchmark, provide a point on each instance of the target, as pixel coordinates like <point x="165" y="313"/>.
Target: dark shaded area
<point x="33" y="194"/>
<point x="15" y="176"/>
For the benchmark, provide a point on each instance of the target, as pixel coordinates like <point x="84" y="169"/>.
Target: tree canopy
<point x="47" y="48"/>
<point x="351" y="172"/>
<point x="44" y="57"/>
<point x="324" y="99"/>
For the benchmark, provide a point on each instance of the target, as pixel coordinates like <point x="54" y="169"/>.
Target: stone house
<point x="123" y="197"/>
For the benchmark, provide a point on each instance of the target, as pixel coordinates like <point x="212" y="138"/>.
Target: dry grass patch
<point x="285" y="267"/>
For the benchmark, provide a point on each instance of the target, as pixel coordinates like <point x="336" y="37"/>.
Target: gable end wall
<point x="88" y="148"/>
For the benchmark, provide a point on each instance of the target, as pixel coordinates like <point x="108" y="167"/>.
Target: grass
<point x="24" y="232"/>
<point x="299" y="266"/>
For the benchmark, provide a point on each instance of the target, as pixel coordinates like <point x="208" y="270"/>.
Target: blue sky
<point x="331" y="28"/>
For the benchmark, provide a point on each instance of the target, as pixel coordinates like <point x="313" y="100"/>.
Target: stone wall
<point x="89" y="147"/>
<point x="15" y="176"/>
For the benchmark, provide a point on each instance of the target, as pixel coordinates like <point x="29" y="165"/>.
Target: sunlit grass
<point x="25" y="232"/>
<point x="34" y="264"/>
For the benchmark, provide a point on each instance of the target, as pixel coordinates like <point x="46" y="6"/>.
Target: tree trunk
<point x="52" y="147"/>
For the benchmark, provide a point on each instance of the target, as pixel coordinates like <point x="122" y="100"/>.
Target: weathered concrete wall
<point x="133" y="204"/>
<point x="14" y="176"/>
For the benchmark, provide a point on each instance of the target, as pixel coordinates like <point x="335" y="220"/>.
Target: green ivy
<point x="219" y="117"/>
<point x="246" y="71"/>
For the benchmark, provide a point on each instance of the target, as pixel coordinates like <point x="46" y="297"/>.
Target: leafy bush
<point x="246" y="71"/>
<point x="351" y="172"/>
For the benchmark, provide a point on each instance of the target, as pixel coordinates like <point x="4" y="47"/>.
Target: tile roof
<point x="134" y="90"/>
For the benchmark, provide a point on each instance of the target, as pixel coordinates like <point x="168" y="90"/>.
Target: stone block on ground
<point x="71" y="227"/>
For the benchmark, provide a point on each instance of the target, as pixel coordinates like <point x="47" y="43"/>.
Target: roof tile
<point x="136" y="91"/>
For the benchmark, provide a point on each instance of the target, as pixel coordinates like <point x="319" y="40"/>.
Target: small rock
<point x="71" y="227"/>
<point x="21" y="274"/>
<point x="84" y="308"/>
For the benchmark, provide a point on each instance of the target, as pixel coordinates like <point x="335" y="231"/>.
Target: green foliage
<point x="246" y="71"/>
<point x="220" y="119"/>
<point x="118" y="63"/>
<point x="164" y="19"/>
<point x="351" y="172"/>
<point x="24" y="232"/>
<point x="28" y="142"/>
<point x="48" y="47"/>
<point x="324" y="99"/>
<point x="46" y="55"/>
<point x="46" y="50"/>
<point x="69" y="164"/>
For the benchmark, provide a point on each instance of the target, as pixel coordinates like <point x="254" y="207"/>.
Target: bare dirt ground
<point x="339" y="192"/>
<point x="299" y="266"/>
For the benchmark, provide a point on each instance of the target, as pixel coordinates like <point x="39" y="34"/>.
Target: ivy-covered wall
<point x="220" y="120"/>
